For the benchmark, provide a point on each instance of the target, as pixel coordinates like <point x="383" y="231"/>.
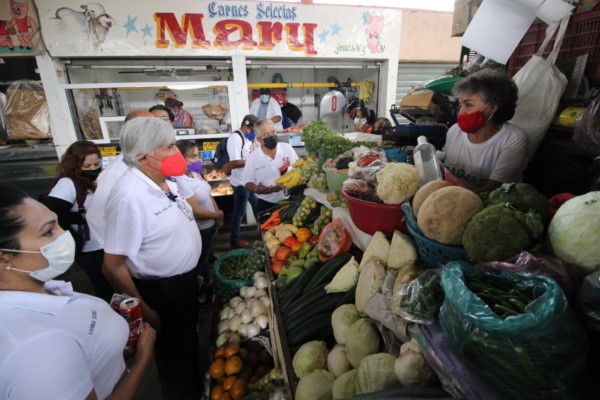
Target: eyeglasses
<point x="268" y="134"/>
<point x="181" y="204"/>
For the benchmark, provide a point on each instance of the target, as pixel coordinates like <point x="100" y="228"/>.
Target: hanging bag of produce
<point x="541" y="85"/>
<point x="515" y="328"/>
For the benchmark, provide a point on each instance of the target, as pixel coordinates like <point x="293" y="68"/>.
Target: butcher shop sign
<point x="115" y="28"/>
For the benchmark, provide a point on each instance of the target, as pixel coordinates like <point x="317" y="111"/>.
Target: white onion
<point x="260" y="293"/>
<point x="246" y="316"/>
<point x="262" y="321"/>
<point x="223" y="326"/>
<point x="265" y="300"/>
<point x="257" y="275"/>
<point x="261" y="283"/>
<point x="223" y="339"/>
<point x="235" y="301"/>
<point x="234" y="338"/>
<point x="253" y="330"/>
<point x="250" y="292"/>
<point x="243" y="330"/>
<point x="258" y="308"/>
<point x="240" y="307"/>
<point x="234" y="323"/>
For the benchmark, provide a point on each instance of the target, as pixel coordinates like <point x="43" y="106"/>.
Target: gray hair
<point x="262" y="122"/>
<point x="143" y="135"/>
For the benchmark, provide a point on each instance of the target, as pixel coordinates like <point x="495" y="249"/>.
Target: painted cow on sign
<point x="93" y="21"/>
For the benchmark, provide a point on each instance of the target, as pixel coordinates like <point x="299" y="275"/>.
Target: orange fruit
<point x="233" y="365"/>
<point x="232" y="349"/>
<point x="225" y="396"/>
<point x="217" y="368"/>
<point x="239" y="389"/>
<point x="229" y="382"/>
<point x="216" y="393"/>
<point x="220" y="352"/>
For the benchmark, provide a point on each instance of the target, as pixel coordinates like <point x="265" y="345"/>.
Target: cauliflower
<point x="522" y="196"/>
<point x="500" y="231"/>
<point x="397" y="182"/>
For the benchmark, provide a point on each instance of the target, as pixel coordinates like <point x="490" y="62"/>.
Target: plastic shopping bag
<point x="541" y="85"/>
<point x="587" y="128"/>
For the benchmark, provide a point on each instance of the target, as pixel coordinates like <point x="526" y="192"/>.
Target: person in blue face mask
<point x="239" y="147"/>
<point x="267" y="107"/>
<point x="56" y="343"/>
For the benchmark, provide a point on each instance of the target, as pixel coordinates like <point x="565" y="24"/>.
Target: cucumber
<point x="296" y="288"/>
<point x="315" y="328"/>
<point x="304" y="300"/>
<point x="328" y="271"/>
<point x="328" y="303"/>
<point x="348" y="298"/>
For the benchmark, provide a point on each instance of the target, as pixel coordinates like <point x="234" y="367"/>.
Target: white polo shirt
<point x="65" y="190"/>
<point x="273" y="110"/>
<point x="198" y="187"/>
<point x="237" y="149"/>
<point x="143" y="224"/>
<point x="260" y="168"/>
<point x="95" y="215"/>
<point x="59" y="347"/>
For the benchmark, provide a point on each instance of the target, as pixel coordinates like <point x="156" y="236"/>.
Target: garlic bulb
<point x="246" y="316"/>
<point x="261" y="283"/>
<point x="253" y="330"/>
<point x="262" y="321"/>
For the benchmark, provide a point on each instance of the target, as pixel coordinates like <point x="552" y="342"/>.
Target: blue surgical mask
<point x="195" y="166"/>
<point x="250" y="135"/>
<point x="264" y="98"/>
<point x="59" y="253"/>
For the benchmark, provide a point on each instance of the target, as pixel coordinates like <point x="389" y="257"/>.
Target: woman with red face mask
<point x="482" y="149"/>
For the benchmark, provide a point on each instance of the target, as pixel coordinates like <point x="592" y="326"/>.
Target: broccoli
<point x="498" y="232"/>
<point x="522" y="196"/>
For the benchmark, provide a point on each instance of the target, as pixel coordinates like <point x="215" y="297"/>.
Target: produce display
<point x="244" y="267"/>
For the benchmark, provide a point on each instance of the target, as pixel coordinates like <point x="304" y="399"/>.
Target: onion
<point x="258" y="274"/>
<point x="223" y="326"/>
<point x="234" y="323"/>
<point x="265" y="300"/>
<point x="240" y="307"/>
<point x="258" y="308"/>
<point x="223" y="339"/>
<point x="246" y="316"/>
<point x="260" y="293"/>
<point x="262" y="321"/>
<point x="261" y="283"/>
<point x="250" y="291"/>
<point x="235" y="301"/>
<point x="243" y="330"/>
<point x="253" y="330"/>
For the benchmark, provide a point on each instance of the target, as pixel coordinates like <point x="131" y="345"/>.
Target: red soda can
<point x="131" y="310"/>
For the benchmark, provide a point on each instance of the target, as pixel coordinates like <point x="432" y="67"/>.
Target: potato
<point x="445" y="213"/>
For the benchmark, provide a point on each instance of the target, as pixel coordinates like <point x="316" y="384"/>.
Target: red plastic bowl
<point x="371" y="217"/>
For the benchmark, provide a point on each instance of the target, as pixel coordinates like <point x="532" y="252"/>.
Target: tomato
<point x="217" y="368"/>
<point x="233" y="365"/>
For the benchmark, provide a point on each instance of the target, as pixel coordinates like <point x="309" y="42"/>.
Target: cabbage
<point x="310" y="356"/>
<point x="362" y="340"/>
<point x="345" y="386"/>
<point x="337" y="361"/>
<point x="411" y="368"/>
<point x="575" y="229"/>
<point x="316" y="385"/>
<point x="376" y="372"/>
<point x="369" y="283"/>
<point x="341" y="319"/>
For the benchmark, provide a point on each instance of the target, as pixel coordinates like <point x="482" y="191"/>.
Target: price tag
<point x="209" y="145"/>
<point x="108" y="151"/>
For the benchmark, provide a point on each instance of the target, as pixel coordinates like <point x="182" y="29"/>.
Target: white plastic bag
<point x="541" y="85"/>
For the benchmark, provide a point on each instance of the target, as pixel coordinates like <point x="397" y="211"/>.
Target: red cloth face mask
<point x="471" y="122"/>
<point x="173" y="165"/>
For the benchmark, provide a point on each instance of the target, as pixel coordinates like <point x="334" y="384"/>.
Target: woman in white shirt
<point x="56" y="343"/>
<point x="70" y="198"/>
<point x="196" y="191"/>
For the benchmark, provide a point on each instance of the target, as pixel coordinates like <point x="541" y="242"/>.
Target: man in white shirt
<point x="95" y="215"/>
<point x="239" y="147"/>
<point x="267" y="164"/>
<point x="267" y="107"/>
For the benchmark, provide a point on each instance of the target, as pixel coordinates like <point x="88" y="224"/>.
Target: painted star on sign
<point x="130" y="25"/>
<point x="335" y="29"/>
<point x="323" y="36"/>
<point x="147" y="31"/>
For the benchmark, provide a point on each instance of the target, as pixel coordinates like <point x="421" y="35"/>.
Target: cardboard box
<point x="422" y="100"/>
<point x="464" y="10"/>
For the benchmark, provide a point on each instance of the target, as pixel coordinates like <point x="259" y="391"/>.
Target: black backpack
<point x="221" y="156"/>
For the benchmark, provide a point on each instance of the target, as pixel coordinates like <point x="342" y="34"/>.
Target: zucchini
<point x="328" y="271"/>
<point x="328" y="303"/>
<point x="317" y="327"/>
<point x="348" y="298"/>
<point x="296" y="288"/>
<point x="305" y="300"/>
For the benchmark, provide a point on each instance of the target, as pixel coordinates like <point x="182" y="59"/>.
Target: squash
<point x="424" y="192"/>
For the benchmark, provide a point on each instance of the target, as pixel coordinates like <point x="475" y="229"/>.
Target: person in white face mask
<point x="56" y="343"/>
<point x="267" y="107"/>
